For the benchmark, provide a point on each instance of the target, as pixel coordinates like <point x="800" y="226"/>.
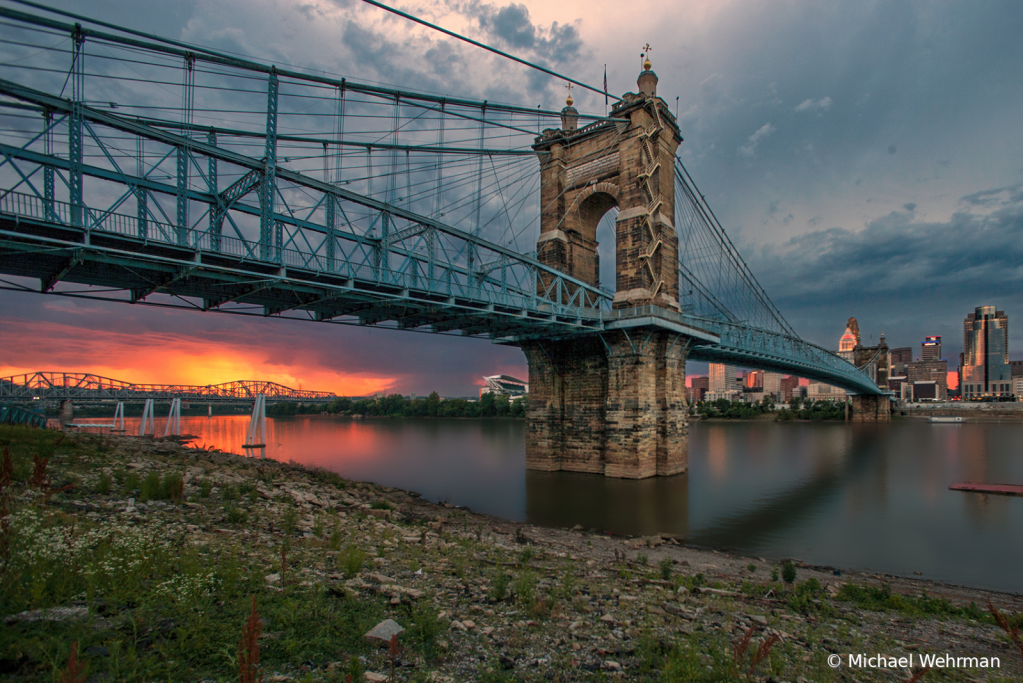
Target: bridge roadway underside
<point x="54" y="253"/>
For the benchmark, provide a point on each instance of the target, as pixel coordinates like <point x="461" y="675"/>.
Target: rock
<point x="577" y="527"/>
<point x="607" y="619"/>
<point x="612" y="665"/>
<point x="457" y="626"/>
<point x="373" y="677"/>
<point x="759" y="619"/>
<point x="272" y="578"/>
<point x="382" y="632"/>
<point x="487" y="630"/>
<point x="469" y="624"/>
<point x="682" y="590"/>
<point x="58" y="614"/>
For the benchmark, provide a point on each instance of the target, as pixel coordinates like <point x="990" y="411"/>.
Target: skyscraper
<point x="985" y="367"/>
<point x="931" y="348"/>
<point x="722" y="377"/>
<point x="850" y="339"/>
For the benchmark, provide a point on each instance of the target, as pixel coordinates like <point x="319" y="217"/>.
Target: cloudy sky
<point x="865" y="157"/>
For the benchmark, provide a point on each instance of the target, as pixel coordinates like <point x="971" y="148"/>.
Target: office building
<point x="699" y="388"/>
<point x="789" y="388"/>
<point x="929" y="371"/>
<point x="772" y="385"/>
<point x="930" y="349"/>
<point x="900" y="358"/>
<point x="722" y="378"/>
<point x="985" y="370"/>
<point x="818" y="391"/>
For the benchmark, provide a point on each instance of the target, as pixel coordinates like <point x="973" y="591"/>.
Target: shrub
<point x="131" y="482"/>
<point x="336" y="538"/>
<point x="103" y="485"/>
<point x="205" y="488"/>
<point x="526" y="555"/>
<point x="351" y="560"/>
<point x="172" y="487"/>
<point x="236" y="515"/>
<point x="642" y="559"/>
<point x="666" y="567"/>
<point x="499" y="590"/>
<point x="788" y="572"/>
<point x="380" y="505"/>
<point x="290" y="520"/>
<point x="150" y="489"/>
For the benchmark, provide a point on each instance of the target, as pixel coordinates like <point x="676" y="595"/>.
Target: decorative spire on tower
<point x="569" y="115"/>
<point x="647" y="79"/>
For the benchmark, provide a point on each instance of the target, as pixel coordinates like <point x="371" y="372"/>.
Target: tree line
<point x="799" y="409"/>
<point x="396" y="405"/>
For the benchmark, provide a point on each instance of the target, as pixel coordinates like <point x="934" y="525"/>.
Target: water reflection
<point x="659" y="505"/>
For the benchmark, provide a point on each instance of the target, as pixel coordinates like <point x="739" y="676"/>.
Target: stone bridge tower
<point x="615" y="403"/>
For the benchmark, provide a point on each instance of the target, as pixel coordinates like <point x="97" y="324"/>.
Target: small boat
<point x="945" y="418"/>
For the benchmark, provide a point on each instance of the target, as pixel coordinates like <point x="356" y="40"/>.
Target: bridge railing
<point x="558" y="298"/>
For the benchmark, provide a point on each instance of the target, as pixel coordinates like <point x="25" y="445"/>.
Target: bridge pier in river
<point x="614" y="405"/>
<point x="871" y="408"/>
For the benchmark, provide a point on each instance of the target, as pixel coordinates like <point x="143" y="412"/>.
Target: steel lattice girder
<point x="89" y="387"/>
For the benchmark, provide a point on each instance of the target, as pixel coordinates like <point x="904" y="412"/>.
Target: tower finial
<point x="646" y="53"/>
<point x="568" y="100"/>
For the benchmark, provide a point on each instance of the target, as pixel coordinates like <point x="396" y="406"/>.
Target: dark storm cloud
<point x="512" y="26"/>
<point x="901" y="276"/>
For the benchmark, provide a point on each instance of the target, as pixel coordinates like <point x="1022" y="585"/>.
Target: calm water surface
<point x="863" y="496"/>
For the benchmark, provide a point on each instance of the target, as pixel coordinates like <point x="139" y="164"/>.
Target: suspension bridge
<point x="144" y="170"/>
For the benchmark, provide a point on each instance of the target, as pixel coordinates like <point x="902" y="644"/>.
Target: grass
<point x="172" y="610"/>
<point x="881" y="598"/>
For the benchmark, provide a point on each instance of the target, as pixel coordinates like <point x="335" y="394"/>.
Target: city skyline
<point x="844" y="184"/>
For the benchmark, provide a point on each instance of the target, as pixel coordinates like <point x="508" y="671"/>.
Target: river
<point x="865" y="497"/>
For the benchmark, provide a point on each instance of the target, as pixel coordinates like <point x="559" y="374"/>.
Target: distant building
<point x="504" y="385"/>
<point x="772" y="385"/>
<point x="789" y="388"/>
<point x="732" y="395"/>
<point x="701" y="385"/>
<point x="985" y="369"/>
<point x="722" y="378"/>
<point x="850" y="339"/>
<point x="900" y="358"/>
<point x="924" y="391"/>
<point x="929" y="371"/>
<point x="1017" y="387"/>
<point x="818" y="391"/>
<point x="895" y="383"/>
<point x="1016" y="368"/>
<point x="930" y="349"/>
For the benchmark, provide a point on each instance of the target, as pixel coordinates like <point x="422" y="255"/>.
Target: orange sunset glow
<point x="162" y="358"/>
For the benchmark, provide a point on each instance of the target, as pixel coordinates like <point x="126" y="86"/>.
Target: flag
<point x="605" y="85"/>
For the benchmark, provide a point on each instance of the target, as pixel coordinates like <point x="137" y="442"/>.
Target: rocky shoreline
<point x="478" y="598"/>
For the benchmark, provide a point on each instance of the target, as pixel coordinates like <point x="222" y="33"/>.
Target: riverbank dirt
<point x="148" y="555"/>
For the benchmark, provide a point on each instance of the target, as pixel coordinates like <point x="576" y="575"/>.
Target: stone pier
<point x="615" y="406"/>
<point x="871" y="408"/>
